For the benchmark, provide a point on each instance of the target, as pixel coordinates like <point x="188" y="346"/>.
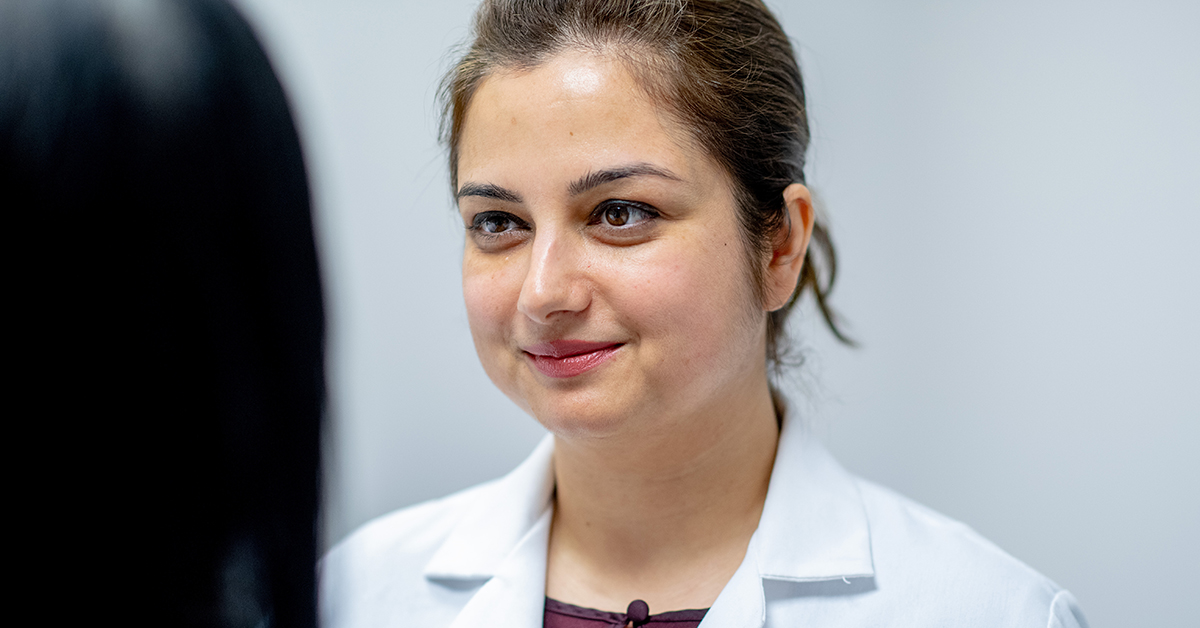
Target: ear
<point x="787" y="257"/>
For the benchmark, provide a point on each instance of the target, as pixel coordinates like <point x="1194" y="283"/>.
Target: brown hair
<point x="724" y="68"/>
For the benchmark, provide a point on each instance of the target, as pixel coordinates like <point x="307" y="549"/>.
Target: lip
<point x="561" y="359"/>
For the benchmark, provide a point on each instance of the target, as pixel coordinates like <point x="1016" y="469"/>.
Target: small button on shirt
<point x="831" y="551"/>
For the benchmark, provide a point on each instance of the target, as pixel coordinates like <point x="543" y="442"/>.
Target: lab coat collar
<point x="500" y="545"/>
<point x="813" y="527"/>
<point x="498" y="521"/>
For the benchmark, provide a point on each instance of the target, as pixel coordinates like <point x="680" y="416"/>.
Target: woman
<point x="630" y="179"/>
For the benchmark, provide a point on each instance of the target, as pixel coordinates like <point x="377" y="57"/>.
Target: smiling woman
<point x="630" y="180"/>
<point x="603" y="251"/>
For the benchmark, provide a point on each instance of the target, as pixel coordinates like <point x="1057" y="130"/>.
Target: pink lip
<point x="568" y="358"/>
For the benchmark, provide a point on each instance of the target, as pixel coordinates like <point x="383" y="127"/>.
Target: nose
<point x="555" y="282"/>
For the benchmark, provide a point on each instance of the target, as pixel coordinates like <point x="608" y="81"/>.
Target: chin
<point x="580" y="415"/>
<point x="593" y="406"/>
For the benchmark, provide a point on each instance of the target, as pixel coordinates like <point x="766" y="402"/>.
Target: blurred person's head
<point x="168" y="304"/>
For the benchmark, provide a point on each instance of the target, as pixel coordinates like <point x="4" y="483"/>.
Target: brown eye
<point x="622" y="214"/>
<point x="493" y="223"/>
<point x="616" y="215"/>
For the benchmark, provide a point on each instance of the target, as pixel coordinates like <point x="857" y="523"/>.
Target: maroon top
<point x="563" y="615"/>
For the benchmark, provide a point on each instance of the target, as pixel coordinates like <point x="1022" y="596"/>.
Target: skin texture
<point x="592" y="216"/>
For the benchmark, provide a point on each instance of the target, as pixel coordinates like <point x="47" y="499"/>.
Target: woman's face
<point x="604" y="274"/>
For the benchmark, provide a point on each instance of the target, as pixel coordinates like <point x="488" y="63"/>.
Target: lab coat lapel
<point x="813" y="527"/>
<point x="814" y="524"/>
<point x="502" y="542"/>
<point x="515" y="596"/>
<point x="498" y="520"/>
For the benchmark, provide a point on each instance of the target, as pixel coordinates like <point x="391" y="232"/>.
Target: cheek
<point x="694" y="307"/>
<point x="490" y="292"/>
<point x="491" y="289"/>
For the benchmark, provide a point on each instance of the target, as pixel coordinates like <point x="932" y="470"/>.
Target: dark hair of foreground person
<point x="168" y="314"/>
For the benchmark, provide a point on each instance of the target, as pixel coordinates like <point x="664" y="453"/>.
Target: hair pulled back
<point x="724" y="69"/>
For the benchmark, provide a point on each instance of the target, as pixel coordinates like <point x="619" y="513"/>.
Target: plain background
<point x="1014" y="190"/>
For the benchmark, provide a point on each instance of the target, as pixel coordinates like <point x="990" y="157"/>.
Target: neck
<point x="662" y="515"/>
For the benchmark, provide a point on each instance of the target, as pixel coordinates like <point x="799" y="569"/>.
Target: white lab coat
<point x="831" y="550"/>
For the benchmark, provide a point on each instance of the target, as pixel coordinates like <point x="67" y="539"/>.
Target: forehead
<point x="577" y="111"/>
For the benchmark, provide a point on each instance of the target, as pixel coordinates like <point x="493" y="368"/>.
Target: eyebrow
<point x="487" y="190"/>
<point x="600" y="177"/>
<point x="579" y="186"/>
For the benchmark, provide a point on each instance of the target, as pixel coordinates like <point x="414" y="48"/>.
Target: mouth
<point x="569" y="358"/>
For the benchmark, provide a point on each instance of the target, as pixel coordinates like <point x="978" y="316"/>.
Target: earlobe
<point x="787" y="257"/>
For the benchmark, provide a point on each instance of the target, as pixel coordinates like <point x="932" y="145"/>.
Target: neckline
<point x="563" y="608"/>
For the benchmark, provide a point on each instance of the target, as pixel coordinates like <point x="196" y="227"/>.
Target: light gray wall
<point x="1014" y="188"/>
